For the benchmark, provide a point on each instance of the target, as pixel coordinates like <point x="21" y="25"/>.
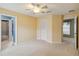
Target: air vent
<point x="71" y="11"/>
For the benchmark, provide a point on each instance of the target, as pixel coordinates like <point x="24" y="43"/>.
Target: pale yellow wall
<point x="50" y="28"/>
<point x="57" y="28"/>
<point x="26" y="25"/>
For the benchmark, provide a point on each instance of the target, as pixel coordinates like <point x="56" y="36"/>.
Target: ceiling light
<point x="36" y="10"/>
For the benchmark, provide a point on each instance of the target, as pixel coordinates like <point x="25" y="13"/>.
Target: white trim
<point x="69" y="17"/>
<point x="10" y="30"/>
<point x="16" y="30"/>
<point x="15" y="26"/>
<point x="7" y="15"/>
<point x="75" y="32"/>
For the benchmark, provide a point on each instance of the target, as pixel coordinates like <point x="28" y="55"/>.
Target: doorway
<point x="8" y="31"/>
<point x="4" y="33"/>
<point x="70" y="32"/>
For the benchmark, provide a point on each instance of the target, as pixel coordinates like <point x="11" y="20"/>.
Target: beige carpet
<point x="4" y="44"/>
<point x="39" y="48"/>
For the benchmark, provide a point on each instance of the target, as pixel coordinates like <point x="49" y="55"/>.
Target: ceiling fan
<point x="38" y="8"/>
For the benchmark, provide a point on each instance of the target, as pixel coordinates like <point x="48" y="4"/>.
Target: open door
<point x="76" y="32"/>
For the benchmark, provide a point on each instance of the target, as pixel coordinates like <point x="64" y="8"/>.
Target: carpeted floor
<point x="39" y="48"/>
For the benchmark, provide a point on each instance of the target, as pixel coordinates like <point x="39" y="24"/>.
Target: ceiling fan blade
<point x="44" y="7"/>
<point x="48" y="11"/>
<point x="27" y="9"/>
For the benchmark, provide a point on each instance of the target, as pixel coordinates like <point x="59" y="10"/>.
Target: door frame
<point x="15" y="21"/>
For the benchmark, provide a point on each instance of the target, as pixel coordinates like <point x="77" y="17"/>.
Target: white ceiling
<point x="56" y="8"/>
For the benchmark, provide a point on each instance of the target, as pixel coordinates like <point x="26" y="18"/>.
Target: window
<point x="66" y="27"/>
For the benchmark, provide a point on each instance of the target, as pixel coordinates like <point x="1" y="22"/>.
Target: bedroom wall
<point x="57" y="28"/>
<point x="49" y="28"/>
<point x="26" y="25"/>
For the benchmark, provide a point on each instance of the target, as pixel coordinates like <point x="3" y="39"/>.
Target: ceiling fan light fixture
<point x="37" y="8"/>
